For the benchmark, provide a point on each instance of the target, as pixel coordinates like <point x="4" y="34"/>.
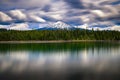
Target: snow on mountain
<point x="89" y="27"/>
<point x="56" y="25"/>
<point x="60" y="25"/>
<point x="86" y="26"/>
<point x="111" y="28"/>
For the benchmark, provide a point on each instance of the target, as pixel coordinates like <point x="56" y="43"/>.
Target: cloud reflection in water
<point x="67" y="60"/>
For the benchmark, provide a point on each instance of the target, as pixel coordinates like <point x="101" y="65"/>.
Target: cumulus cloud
<point x="4" y="17"/>
<point x="18" y="14"/>
<point x="36" y="18"/>
<point x="116" y="27"/>
<point x="20" y="26"/>
<point x="22" y="15"/>
<point x="56" y="16"/>
<point x="106" y="14"/>
<point x="98" y="13"/>
<point x="4" y="26"/>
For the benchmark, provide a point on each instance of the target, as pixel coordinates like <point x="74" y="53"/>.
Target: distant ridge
<point x="58" y="25"/>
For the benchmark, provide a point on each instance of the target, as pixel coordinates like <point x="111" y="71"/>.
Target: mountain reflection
<point x="67" y="58"/>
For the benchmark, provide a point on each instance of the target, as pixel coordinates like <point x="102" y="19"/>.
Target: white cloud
<point x="26" y="16"/>
<point x="112" y="10"/>
<point x="1" y="26"/>
<point x="56" y="11"/>
<point x="36" y="18"/>
<point x="18" y="14"/>
<point x="57" y="16"/>
<point x="99" y="13"/>
<point x="4" y="17"/>
<point x="107" y="12"/>
<point x="56" y="6"/>
<point x="116" y="28"/>
<point x="21" y="26"/>
<point x="102" y="8"/>
<point x="22" y="4"/>
<point x="85" y="18"/>
<point x="84" y="26"/>
<point x="4" y="26"/>
<point x="97" y="3"/>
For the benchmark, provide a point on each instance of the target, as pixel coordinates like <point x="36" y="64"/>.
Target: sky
<point x="96" y="13"/>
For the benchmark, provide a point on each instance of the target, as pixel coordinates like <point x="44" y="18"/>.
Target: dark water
<point x="60" y="61"/>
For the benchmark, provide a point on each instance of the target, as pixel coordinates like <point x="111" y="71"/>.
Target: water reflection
<point x="62" y="59"/>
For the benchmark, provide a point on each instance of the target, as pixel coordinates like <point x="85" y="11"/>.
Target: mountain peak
<point x="59" y="22"/>
<point x="60" y="25"/>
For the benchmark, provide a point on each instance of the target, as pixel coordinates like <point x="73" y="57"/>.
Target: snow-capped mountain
<point x="56" y="25"/>
<point x="60" y="25"/>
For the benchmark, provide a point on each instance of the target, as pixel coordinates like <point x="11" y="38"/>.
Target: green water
<point x="57" y="47"/>
<point x="61" y="59"/>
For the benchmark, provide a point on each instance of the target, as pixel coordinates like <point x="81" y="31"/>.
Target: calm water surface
<point x="60" y="61"/>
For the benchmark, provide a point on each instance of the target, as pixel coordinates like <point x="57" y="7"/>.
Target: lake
<point x="60" y="61"/>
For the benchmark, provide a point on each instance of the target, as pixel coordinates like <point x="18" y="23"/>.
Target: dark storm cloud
<point x="49" y="18"/>
<point x="46" y="8"/>
<point x="75" y="4"/>
<point x="116" y="2"/>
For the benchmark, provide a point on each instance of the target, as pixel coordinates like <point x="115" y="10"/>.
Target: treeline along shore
<point x="49" y="35"/>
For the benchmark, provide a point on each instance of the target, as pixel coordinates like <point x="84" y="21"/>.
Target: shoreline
<point x="59" y="41"/>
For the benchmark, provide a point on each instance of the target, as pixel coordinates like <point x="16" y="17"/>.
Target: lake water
<point x="60" y="61"/>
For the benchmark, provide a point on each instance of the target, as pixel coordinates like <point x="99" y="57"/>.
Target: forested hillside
<point x="58" y="35"/>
